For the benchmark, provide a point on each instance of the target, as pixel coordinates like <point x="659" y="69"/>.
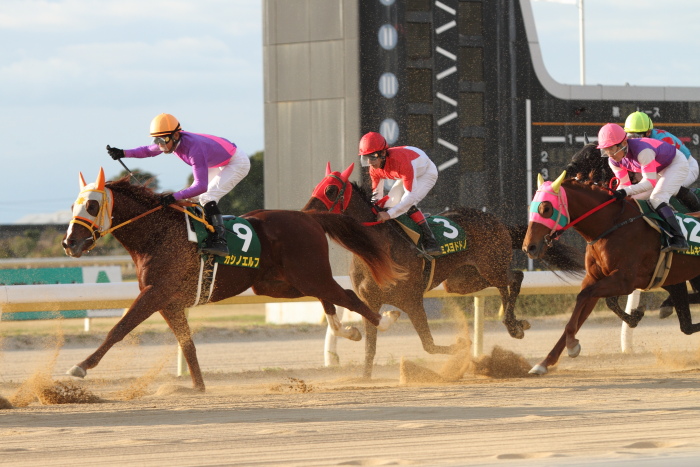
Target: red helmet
<point x="372" y="142"/>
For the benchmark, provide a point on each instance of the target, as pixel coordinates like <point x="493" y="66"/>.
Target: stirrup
<point x="217" y="247"/>
<point x="671" y="247"/>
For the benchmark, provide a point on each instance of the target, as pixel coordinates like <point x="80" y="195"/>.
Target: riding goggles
<point x="162" y="139"/>
<point x="364" y="160"/>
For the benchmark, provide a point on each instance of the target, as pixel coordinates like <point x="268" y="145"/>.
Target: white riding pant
<point x="225" y="178"/>
<point x="693" y="171"/>
<point x="421" y="187"/>
<point x="669" y="182"/>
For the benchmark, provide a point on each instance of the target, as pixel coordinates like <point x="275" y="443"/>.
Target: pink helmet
<point x="610" y="135"/>
<point x="372" y="142"/>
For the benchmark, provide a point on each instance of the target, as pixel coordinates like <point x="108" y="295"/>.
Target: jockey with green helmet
<point x="663" y="169"/>
<point x="415" y="176"/>
<point x="218" y="165"/>
<point x="639" y="125"/>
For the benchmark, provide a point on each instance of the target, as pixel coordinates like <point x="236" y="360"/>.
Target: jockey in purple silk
<point x="663" y="169"/>
<point x="218" y="166"/>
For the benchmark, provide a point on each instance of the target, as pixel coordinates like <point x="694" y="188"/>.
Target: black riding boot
<point x="216" y="241"/>
<point x="430" y="245"/>
<point x="678" y="241"/>
<point x="688" y="198"/>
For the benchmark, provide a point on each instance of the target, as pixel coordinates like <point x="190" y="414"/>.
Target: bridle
<point x="104" y="215"/>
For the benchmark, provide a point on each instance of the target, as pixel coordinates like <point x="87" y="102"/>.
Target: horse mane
<point x="141" y="193"/>
<point x="587" y="164"/>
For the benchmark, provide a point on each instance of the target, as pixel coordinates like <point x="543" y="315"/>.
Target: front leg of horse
<point x="416" y="313"/>
<point x="144" y="306"/>
<point x="509" y="295"/>
<point x="348" y="332"/>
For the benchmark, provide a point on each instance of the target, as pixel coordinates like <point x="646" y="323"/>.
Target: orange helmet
<point x="164" y="124"/>
<point x="372" y="142"/>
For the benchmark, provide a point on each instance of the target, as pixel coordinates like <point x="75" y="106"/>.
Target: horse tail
<point x="563" y="257"/>
<point x="358" y="239"/>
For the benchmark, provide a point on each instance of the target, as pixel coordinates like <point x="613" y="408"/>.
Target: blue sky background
<point x="76" y="75"/>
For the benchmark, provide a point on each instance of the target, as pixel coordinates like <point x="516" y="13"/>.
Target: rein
<point x="95" y="228"/>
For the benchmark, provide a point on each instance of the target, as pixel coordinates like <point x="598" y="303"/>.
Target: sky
<point x="77" y="75"/>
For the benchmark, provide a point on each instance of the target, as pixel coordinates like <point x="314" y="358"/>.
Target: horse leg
<point x="666" y="308"/>
<point x="370" y="348"/>
<point x="584" y="307"/>
<point x="416" y="313"/>
<point x="679" y="294"/>
<point x="509" y="295"/>
<point x="147" y="303"/>
<point x="177" y="321"/>
<point x="632" y="319"/>
<point x="348" y="332"/>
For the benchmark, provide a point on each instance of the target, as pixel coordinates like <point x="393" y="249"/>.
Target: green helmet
<point x="638" y="122"/>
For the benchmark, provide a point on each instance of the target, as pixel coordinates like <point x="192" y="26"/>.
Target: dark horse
<point x="293" y="260"/>
<point x="486" y="262"/>
<point x="621" y="255"/>
<point x="588" y="165"/>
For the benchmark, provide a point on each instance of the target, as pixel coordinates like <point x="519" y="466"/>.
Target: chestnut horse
<point x="621" y="255"/>
<point x="485" y="263"/>
<point x="293" y="261"/>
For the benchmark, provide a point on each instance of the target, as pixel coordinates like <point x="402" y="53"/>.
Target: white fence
<point x="56" y="297"/>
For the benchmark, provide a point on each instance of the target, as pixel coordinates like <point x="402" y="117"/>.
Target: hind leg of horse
<point x="144" y="306"/>
<point x="632" y="319"/>
<point x="679" y="295"/>
<point x="348" y="332"/>
<point x="177" y="321"/>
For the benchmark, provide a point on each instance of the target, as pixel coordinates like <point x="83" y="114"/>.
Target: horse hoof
<point x="538" y="370"/>
<point x="77" y="372"/>
<point x="573" y="352"/>
<point x="353" y="333"/>
<point x="665" y="312"/>
<point x="388" y="318"/>
<point x="525" y="324"/>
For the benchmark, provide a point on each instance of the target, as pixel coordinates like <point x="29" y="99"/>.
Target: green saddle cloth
<point x="689" y="225"/>
<point x="243" y="242"/>
<point x="449" y="235"/>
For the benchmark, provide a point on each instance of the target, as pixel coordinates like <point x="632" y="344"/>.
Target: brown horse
<point x="621" y="255"/>
<point x="588" y="165"/>
<point x="293" y="260"/>
<point x="486" y="262"/>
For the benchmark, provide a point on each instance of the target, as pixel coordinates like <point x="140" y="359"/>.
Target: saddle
<point x="242" y="240"/>
<point x="689" y="223"/>
<point x="449" y="235"/>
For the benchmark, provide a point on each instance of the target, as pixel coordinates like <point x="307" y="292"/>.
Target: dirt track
<point x="269" y="401"/>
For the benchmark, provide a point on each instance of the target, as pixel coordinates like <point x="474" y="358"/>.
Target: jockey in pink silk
<point x="663" y="169"/>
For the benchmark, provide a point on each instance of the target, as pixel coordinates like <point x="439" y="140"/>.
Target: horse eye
<point x="545" y="209"/>
<point x="92" y="207"/>
<point x="331" y="192"/>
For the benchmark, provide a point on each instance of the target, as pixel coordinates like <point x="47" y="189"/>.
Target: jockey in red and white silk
<point x="415" y="176"/>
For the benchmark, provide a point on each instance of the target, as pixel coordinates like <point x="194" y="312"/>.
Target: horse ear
<point x="556" y="184"/>
<point x="100" y="183"/>
<point x="540" y="180"/>
<point x="81" y="180"/>
<point x="328" y="168"/>
<point x="347" y="172"/>
<point x="585" y="138"/>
